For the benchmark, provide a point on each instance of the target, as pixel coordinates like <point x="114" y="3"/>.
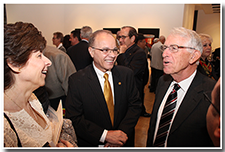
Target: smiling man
<point x="179" y="112"/>
<point x="104" y="110"/>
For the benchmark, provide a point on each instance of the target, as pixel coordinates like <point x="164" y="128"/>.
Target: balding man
<point x="102" y="117"/>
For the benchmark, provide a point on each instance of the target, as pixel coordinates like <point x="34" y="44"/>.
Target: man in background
<point x="75" y="37"/>
<point x="156" y="63"/>
<point x="133" y="57"/>
<point x="57" y="40"/>
<point x="79" y="53"/>
<point x="56" y="81"/>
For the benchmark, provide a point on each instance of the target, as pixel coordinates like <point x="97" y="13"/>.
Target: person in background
<point x="133" y="57"/>
<point x="213" y="115"/>
<point x="179" y="112"/>
<point x="25" y="69"/>
<point x="156" y="63"/>
<point x="205" y="66"/>
<point x="75" y="37"/>
<point x="66" y="41"/>
<point x="57" y="40"/>
<point x="79" y="53"/>
<point x="155" y="40"/>
<point x="56" y="82"/>
<point x="98" y="121"/>
<point x="142" y="43"/>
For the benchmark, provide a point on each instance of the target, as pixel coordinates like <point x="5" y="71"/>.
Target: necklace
<point x="21" y="107"/>
<point x="13" y="101"/>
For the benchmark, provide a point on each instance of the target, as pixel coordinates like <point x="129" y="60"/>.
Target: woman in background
<point x="205" y="66"/>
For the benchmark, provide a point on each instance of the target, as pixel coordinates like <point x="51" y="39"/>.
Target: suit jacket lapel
<point x="162" y="90"/>
<point x="96" y="89"/>
<point x="189" y="102"/>
<point x="160" y="93"/>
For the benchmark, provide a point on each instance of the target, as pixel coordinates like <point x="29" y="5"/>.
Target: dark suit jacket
<point x="79" y="55"/>
<point x="135" y="59"/>
<point x="189" y="126"/>
<point x="87" y="109"/>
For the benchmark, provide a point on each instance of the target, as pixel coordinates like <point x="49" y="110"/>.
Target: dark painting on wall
<point x="113" y="30"/>
<point x="154" y="31"/>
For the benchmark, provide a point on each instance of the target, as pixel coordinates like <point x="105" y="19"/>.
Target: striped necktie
<point x="166" y="117"/>
<point x="109" y="97"/>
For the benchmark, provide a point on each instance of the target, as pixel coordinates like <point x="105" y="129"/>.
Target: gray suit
<point x="62" y="67"/>
<point x="157" y="60"/>
<point x="189" y="126"/>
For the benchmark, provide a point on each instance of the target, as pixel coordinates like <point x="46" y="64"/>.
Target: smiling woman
<point x="34" y="71"/>
<point x="18" y="47"/>
<point x="25" y="69"/>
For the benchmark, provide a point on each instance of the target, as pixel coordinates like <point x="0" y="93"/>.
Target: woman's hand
<point x="64" y="143"/>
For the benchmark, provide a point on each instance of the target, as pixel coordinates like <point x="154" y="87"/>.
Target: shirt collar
<point x="186" y="82"/>
<point x="99" y="72"/>
<point x="59" y="45"/>
<point x="85" y="40"/>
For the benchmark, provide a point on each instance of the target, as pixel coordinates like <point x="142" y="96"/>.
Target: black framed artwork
<point x="153" y="31"/>
<point x="113" y="30"/>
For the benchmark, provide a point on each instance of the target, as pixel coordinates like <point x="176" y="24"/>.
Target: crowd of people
<point x="100" y="80"/>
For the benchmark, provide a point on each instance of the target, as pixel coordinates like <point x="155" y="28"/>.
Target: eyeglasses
<point x="107" y="50"/>
<point x="174" y="48"/>
<point x="209" y="100"/>
<point x="123" y="37"/>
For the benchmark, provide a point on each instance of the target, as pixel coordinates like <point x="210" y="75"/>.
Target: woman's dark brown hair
<point x="20" y="40"/>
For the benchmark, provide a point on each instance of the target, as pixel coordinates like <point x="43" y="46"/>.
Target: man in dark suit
<point x="79" y="53"/>
<point x="187" y="125"/>
<point x="134" y="57"/>
<point x="95" y="124"/>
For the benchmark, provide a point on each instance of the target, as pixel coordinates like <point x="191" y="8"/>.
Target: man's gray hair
<point x="85" y="32"/>
<point x="193" y="39"/>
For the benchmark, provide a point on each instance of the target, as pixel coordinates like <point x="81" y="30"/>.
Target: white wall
<point x="47" y="18"/>
<point x="116" y="15"/>
<point x="50" y="18"/>
<point x="209" y="24"/>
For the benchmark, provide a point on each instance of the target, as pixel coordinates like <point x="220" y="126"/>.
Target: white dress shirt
<point x="185" y="84"/>
<point x="60" y="45"/>
<point x="101" y="79"/>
